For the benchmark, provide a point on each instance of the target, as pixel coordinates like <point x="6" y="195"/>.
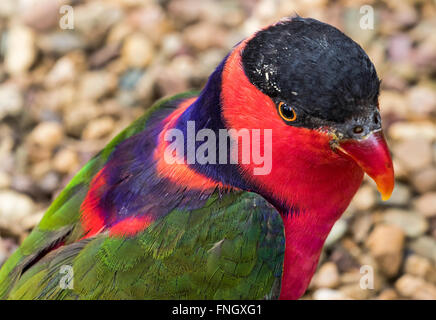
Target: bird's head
<point x="318" y="91"/>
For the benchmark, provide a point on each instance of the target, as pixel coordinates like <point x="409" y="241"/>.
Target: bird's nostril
<point x="358" y="129"/>
<point x="376" y="119"/>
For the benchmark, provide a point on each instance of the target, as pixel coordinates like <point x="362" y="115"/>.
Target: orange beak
<point x="372" y="155"/>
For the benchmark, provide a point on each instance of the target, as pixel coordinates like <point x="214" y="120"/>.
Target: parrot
<point x="155" y="215"/>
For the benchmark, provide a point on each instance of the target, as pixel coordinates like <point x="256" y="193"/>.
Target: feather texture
<point x="225" y="244"/>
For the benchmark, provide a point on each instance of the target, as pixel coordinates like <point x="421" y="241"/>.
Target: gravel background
<point x="65" y="93"/>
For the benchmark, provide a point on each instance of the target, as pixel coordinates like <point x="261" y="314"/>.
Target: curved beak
<point x="372" y="155"/>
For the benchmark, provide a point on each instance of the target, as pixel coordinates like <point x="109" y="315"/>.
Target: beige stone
<point x="415" y="288"/>
<point x="410" y="222"/>
<point x="327" y="276"/>
<point x="386" y="244"/>
<point x="414" y="154"/>
<point x="365" y="198"/>
<point x="419" y="266"/>
<point x="65" y="161"/>
<point x="426" y="204"/>
<point x="99" y="128"/>
<point x="137" y="51"/>
<point x="47" y="135"/>
<point x="20" y="49"/>
<point x="424" y="180"/>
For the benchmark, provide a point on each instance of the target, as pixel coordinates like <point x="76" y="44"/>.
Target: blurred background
<point x="74" y="73"/>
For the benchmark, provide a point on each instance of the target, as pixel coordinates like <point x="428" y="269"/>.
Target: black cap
<point x="315" y="68"/>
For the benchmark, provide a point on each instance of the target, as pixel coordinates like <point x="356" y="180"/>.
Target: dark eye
<point x="287" y="112"/>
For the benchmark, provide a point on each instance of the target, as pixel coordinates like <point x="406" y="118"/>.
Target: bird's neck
<point x="305" y="235"/>
<point x="310" y="196"/>
<point x="202" y="126"/>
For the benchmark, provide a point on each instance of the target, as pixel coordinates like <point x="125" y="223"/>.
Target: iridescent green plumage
<point x="230" y="248"/>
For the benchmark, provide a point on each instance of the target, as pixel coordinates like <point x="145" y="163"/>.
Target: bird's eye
<point x="287" y="112"/>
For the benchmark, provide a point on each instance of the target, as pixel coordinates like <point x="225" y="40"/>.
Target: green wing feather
<point x="61" y="219"/>
<point x="231" y="248"/>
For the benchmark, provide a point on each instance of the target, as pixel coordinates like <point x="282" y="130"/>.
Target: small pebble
<point x="419" y="266"/>
<point x="14" y="207"/>
<point x="415" y="288"/>
<point x="11" y="100"/>
<point x="386" y="244"/>
<point x="327" y="276"/>
<point x="20" y="50"/>
<point x="425" y="246"/>
<point x="329" y="294"/>
<point x="66" y="161"/>
<point x="388" y="294"/>
<point x="95" y="85"/>
<point x="365" y="198"/>
<point x="47" y="135"/>
<point x="414" y="154"/>
<point x="137" y="51"/>
<point x="426" y="204"/>
<point x="98" y="128"/>
<point x="424" y="180"/>
<point x="410" y="222"/>
<point x="5" y="180"/>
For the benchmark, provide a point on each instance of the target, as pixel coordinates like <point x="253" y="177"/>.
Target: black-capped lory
<point x="227" y="193"/>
